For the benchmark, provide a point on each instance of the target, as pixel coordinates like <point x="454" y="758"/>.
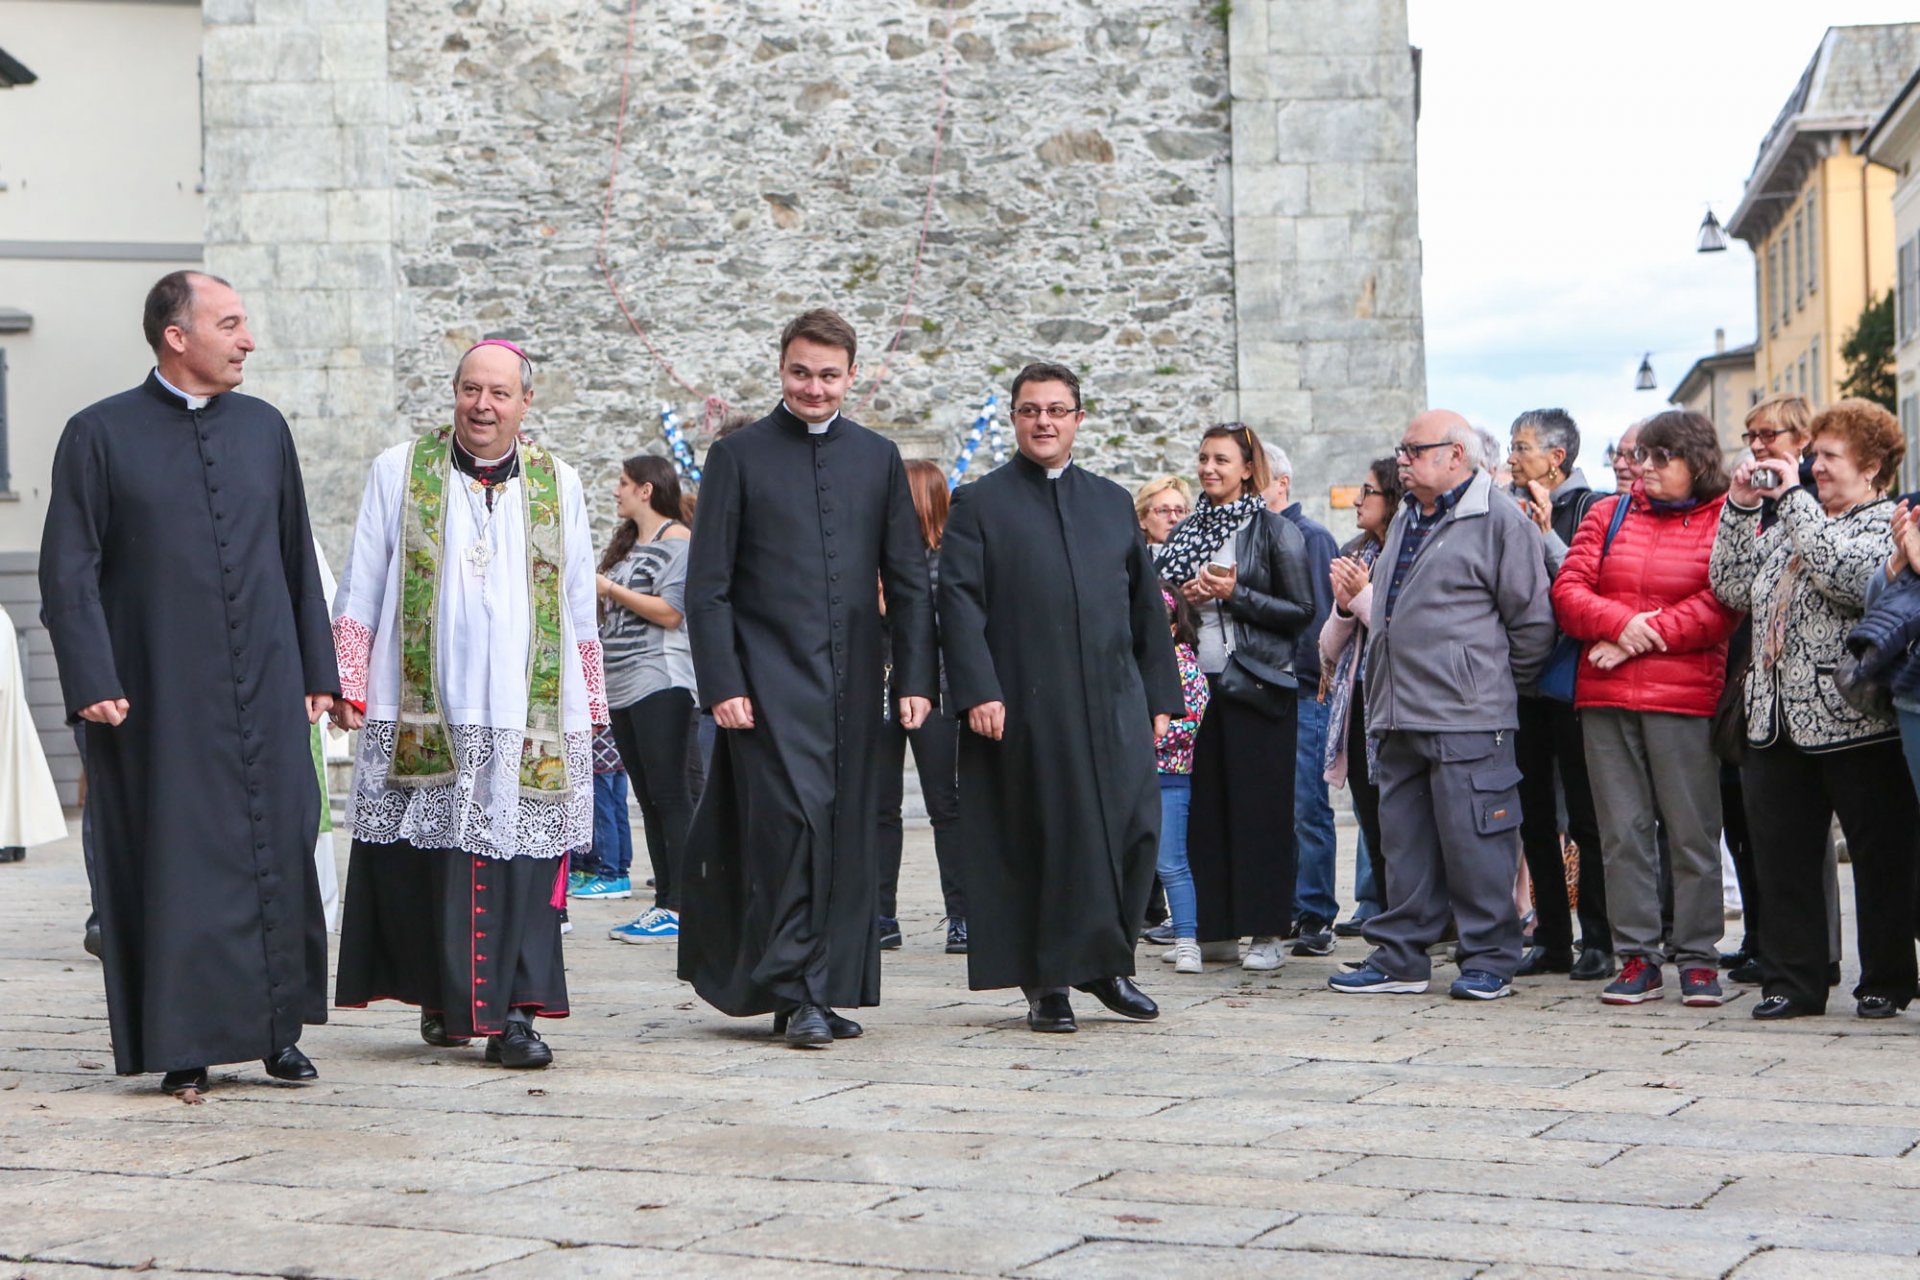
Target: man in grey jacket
<point x="1461" y="619"/>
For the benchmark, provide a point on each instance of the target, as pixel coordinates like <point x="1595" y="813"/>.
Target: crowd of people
<point x="1548" y="707"/>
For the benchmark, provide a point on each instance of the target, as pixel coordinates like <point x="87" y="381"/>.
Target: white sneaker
<point x="1221" y="952"/>
<point x="1170" y="955"/>
<point x="1186" y="956"/>
<point x="1263" y="954"/>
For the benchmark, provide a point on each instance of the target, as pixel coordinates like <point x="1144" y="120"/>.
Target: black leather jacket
<point x="1272" y="601"/>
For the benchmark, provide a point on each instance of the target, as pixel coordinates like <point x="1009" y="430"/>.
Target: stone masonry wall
<point x="776" y="157"/>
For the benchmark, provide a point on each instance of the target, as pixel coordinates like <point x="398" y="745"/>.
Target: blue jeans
<point x="1368" y="900"/>
<point x="1313" y="815"/>
<point x="612" y="854"/>
<point x="1910" y="740"/>
<point x="1176" y="877"/>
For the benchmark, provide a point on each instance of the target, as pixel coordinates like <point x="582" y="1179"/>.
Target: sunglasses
<point x="1654" y="456"/>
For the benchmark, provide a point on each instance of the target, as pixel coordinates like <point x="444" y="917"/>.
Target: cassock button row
<point x="831" y="553"/>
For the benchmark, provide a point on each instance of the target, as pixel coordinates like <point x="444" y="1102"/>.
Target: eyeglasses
<point x="1520" y="448"/>
<point x="1168" y="513"/>
<point x="1368" y="491"/>
<point x="1653" y="456"/>
<point x="1755" y="437"/>
<point x="1412" y="451"/>
<point x="1034" y="412"/>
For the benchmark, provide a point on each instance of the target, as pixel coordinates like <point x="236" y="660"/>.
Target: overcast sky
<point x="1567" y="154"/>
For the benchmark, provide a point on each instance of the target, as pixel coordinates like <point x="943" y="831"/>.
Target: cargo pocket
<point x="1496" y="798"/>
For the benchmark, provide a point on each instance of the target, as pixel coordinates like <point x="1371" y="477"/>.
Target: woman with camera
<point x="1810" y="753"/>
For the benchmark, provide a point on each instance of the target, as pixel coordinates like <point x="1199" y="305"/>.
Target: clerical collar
<point x="1054" y="473"/>
<point x="486" y="475"/>
<point x="193" y="402"/>
<point x="813" y="428"/>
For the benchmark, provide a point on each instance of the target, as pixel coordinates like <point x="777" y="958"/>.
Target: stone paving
<point x="1263" y="1127"/>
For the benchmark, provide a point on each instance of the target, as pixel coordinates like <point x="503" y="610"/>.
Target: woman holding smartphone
<point x="1244" y="569"/>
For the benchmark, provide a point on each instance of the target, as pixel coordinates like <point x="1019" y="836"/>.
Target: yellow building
<point x="1895" y="142"/>
<point x="1818" y="213"/>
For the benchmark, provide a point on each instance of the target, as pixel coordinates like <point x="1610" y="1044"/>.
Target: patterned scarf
<point x="1773" y="641"/>
<point x="422" y="752"/>
<point x="1195" y="539"/>
<point x="1336" y="687"/>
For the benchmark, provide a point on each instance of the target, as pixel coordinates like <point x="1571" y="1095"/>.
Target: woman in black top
<point x="1245" y="569"/>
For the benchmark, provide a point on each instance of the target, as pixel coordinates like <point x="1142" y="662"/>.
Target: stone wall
<point x="391" y="179"/>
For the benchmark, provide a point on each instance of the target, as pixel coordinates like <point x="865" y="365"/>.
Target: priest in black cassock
<point x="802" y="515"/>
<point x="1056" y="644"/>
<point x="185" y="607"/>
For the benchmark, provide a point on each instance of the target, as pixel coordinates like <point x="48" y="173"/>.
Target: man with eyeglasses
<point x="1464" y="620"/>
<point x="1058" y="648"/>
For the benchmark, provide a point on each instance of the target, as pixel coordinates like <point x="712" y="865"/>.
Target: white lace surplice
<point x="483" y="634"/>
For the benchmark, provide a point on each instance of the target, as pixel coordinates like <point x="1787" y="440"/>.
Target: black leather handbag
<point x="1257" y="692"/>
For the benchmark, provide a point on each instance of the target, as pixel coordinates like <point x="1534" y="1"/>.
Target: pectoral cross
<point x="479" y="555"/>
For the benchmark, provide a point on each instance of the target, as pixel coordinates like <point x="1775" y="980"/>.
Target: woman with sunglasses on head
<point x="1634" y="591"/>
<point x="1343" y="648"/>
<point x="1812" y="754"/>
<point x="1244" y="568"/>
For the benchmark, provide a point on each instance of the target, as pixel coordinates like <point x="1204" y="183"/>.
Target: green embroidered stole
<point x="422" y="751"/>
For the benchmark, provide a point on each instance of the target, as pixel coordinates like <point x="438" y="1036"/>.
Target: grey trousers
<point x="1649" y="767"/>
<point x="1449" y="808"/>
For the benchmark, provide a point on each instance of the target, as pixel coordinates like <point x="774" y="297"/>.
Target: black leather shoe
<point x="13" y="853"/>
<point x="434" y="1031"/>
<point x="1158" y="935"/>
<point x="519" y="1046"/>
<point x="1734" y="959"/>
<point x="889" y="934"/>
<point x="1535" y="961"/>
<point x="842" y="1028"/>
<point x="1051" y="1013"/>
<point x="1747" y="971"/>
<point x="1833" y="974"/>
<point x="178" y="1082"/>
<point x="1593" y="965"/>
<point x="290" y="1064"/>
<point x="1874" y="1007"/>
<point x="807" y="1028"/>
<point x="1777" y="1008"/>
<point x="1121" y="996"/>
<point x="956" y="935"/>
<point x="90" y="941"/>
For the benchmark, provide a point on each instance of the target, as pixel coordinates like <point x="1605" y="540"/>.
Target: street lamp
<point x="1712" y="237"/>
<point x="1643" y="380"/>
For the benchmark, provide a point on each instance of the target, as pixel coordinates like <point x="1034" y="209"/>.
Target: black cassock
<point x="794" y="536"/>
<point x="178" y="572"/>
<point x="1049" y="603"/>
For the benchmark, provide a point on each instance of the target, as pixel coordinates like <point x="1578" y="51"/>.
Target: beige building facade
<point x="1894" y="142"/>
<point x="1818" y="213"/>
<point x="1721" y="387"/>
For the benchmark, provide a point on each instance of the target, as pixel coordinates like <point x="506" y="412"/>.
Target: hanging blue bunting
<point x="985" y="429"/>
<point x="677" y="445"/>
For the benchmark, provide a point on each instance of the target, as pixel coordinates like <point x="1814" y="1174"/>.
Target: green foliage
<point x="1220" y="12"/>
<point x="1868" y="352"/>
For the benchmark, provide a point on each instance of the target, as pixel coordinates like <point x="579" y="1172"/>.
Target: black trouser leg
<point x="1874" y="798"/>
<point x="1788" y="813"/>
<point x="936" y="755"/>
<point x="1740" y="846"/>
<point x="651" y="736"/>
<point x="890" y="758"/>
<point x="1540" y="825"/>
<point x="1583" y="826"/>
<point x="1366" y="796"/>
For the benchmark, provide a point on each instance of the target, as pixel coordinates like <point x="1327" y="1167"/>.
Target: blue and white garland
<point x="985" y="430"/>
<point x="677" y="445"/>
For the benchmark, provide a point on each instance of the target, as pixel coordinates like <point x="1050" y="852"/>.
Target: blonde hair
<point x="1785" y="411"/>
<point x="1143" y="496"/>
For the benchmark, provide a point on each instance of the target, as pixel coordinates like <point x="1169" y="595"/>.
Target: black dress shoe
<point x="1593" y="965"/>
<point x="1121" y="996"/>
<point x="1747" y="971"/>
<point x="90" y="941"/>
<point x="1777" y="1008"/>
<point x="1535" y="961"/>
<point x="519" y="1046"/>
<point x="1734" y="959"/>
<point x="807" y="1028"/>
<point x="1833" y="974"/>
<point x="1874" y="1007"/>
<point x="842" y="1028"/>
<point x="290" y="1064"/>
<point x="956" y="935"/>
<point x="1051" y="1013"/>
<point x="178" y="1082"/>
<point x="434" y="1031"/>
<point x="889" y="934"/>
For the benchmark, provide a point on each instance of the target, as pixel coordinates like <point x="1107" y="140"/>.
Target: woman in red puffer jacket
<point x="1655" y="654"/>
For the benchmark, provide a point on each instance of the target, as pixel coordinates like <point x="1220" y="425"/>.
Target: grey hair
<point x="1481" y="446"/>
<point x="1278" y="463"/>
<point x="1554" y="429"/>
<point x="526" y="369"/>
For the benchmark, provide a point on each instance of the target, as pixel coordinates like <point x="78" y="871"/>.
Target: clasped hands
<point x="1636" y="638"/>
